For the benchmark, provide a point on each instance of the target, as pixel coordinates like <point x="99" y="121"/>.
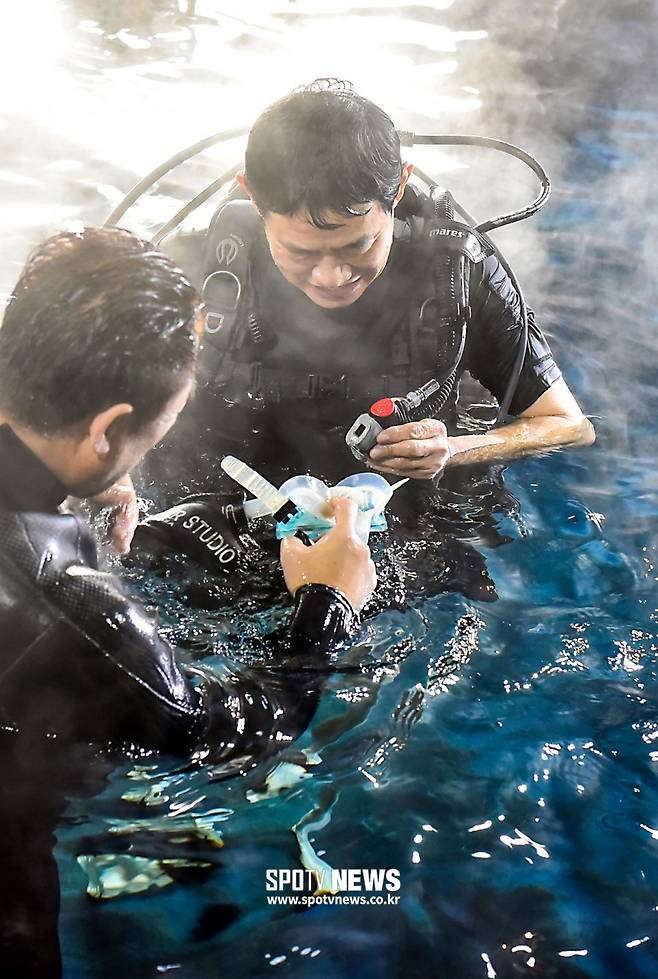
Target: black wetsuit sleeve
<point x="264" y="708"/>
<point x="119" y="680"/>
<point x="123" y="682"/>
<point x="494" y="333"/>
<point x="323" y="617"/>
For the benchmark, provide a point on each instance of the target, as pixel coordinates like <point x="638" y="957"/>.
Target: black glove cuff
<point x="323" y="616"/>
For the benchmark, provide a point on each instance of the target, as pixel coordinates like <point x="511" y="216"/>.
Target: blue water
<point x="503" y="756"/>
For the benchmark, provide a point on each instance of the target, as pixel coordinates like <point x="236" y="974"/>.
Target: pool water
<point x="501" y="755"/>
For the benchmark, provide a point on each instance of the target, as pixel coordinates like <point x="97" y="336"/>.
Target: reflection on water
<point x="502" y="755"/>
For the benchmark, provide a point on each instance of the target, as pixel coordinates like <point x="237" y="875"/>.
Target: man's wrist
<point x="462" y="448"/>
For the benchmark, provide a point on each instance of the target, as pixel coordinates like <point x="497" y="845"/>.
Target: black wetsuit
<point x="81" y="659"/>
<point x="357" y="339"/>
<point x="292" y="433"/>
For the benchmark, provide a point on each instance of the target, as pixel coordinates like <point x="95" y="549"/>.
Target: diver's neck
<point x="56" y="453"/>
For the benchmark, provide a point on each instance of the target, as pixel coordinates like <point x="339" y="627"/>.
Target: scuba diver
<point x="334" y="283"/>
<point x="98" y="351"/>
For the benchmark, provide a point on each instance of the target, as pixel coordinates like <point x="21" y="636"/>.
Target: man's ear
<point x="407" y="170"/>
<point x="99" y="429"/>
<point x="242" y="180"/>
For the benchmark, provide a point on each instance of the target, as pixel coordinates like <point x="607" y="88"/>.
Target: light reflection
<point x="334" y="46"/>
<point x="627" y="658"/>
<point x="522" y="840"/>
<point x="332" y="7"/>
<point x="491" y="972"/>
<point x="30" y="66"/>
<point x="480" y="826"/>
<point x="107" y="90"/>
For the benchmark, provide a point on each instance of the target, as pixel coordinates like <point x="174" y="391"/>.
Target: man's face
<point x="332" y="267"/>
<point x="142" y="441"/>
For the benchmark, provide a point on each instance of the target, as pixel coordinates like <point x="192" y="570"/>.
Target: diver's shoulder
<point x="34" y="540"/>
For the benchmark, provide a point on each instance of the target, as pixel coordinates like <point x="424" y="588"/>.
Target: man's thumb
<point x="291" y="546"/>
<point x="345" y="511"/>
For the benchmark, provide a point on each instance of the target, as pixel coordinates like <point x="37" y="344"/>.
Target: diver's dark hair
<point x="97" y="317"/>
<point x="323" y="149"/>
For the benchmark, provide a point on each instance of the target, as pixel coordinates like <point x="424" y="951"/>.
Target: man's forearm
<point x="525" y="436"/>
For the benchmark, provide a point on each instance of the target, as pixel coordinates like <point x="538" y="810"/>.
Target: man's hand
<point x="419" y="450"/>
<point x="339" y="559"/>
<point x="121" y="499"/>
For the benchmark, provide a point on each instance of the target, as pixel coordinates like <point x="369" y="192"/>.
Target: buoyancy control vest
<point x="428" y="344"/>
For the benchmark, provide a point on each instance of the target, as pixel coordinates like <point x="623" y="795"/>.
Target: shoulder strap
<point x="226" y="267"/>
<point x="439" y="320"/>
<point x="454" y="238"/>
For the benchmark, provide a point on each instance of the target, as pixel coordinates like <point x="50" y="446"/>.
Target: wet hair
<point x="323" y="149"/>
<point x="98" y="317"/>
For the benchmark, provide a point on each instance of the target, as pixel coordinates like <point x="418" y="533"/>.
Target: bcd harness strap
<point x="430" y="346"/>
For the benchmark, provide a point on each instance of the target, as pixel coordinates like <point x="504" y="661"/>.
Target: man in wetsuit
<point x="98" y="351"/>
<point x="338" y="307"/>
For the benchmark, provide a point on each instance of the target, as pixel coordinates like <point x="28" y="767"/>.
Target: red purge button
<point x="383" y="408"/>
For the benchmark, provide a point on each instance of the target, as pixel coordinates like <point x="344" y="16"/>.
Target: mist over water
<point x="520" y="732"/>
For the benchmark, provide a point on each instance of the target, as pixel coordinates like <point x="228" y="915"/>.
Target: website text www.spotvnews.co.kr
<point x="349" y="886"/>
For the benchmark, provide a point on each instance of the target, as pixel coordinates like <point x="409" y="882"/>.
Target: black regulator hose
<point x="174" y="161"/>
<point x="197" y="201"/>
<point x="432" y="397"/>
<point x="445" y="139"/>
<point x="410" y="139"/>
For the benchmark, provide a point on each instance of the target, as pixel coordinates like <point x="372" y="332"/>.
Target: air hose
<point x="174" y="161"/>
